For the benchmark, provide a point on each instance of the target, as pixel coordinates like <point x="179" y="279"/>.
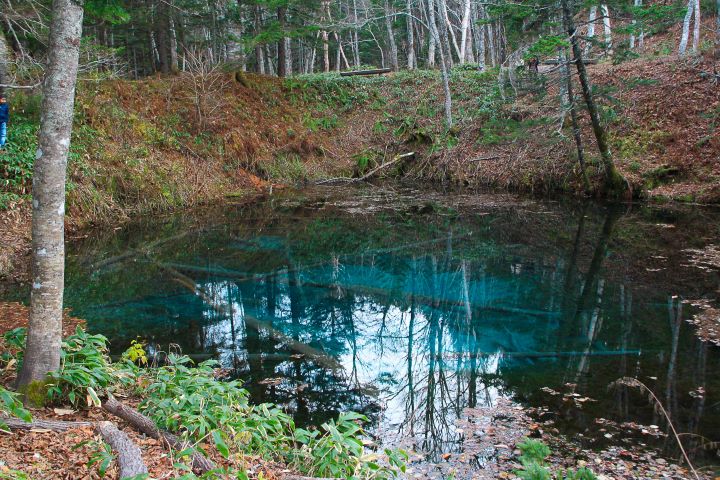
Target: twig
<point x="634" y="382"/>
<point x="367" y="175"/>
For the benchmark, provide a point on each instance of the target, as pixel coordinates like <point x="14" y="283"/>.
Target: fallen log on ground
<point x="367" y="175"/>
<point x="129" y="455"/>
<point x="376" y="71"/>
<point x="54" y="425"/>
<point x="200" y="463"/>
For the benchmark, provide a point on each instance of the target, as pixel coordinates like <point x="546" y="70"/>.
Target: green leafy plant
<point x="10" y="404"/>
<point x="85" y="370"/>
<point x="13" y="343"/>
<point x="533" y="451"/>
<point x="102" y="455"/>
<point x="580" y="474"/>
<point x="136" y="353"/>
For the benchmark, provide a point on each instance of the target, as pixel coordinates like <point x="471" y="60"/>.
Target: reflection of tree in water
<point x="424" y="329"/>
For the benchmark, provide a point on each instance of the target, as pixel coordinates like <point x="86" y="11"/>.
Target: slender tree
<point x="614" y="182"/>
<point x="42" y="352"/>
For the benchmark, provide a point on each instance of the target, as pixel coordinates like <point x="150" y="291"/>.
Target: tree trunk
<point x="443" y="67"/>
<point x="448" y="32"/>
<point x="571" y="106"/>
<point x="42" y="351"/>
<point x="614" y="182"/>
<point x="640" y="38"/>
<point x="4" y="62"/>
<point x="686" y="28"/>
<point x="606" y="27"/>
<point x="433" y="39"/>
<point x="592" y="17"/>
<point x="464" y="32"/>
<point x="129" y="456"/>
<point x="411" y="60"/>
<point x="200" y="464"/>
<point x="392" y="46"/>
<point x="696" y="28"/>
<point x="480" y="38"/>
<point x="282" y="44"/>
<point x="162" y="36"/>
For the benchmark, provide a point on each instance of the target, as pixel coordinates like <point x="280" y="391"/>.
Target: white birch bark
<point x="433" y="38"/>
<point x="464" y="32"/>
<point x="606" y="27"/>
<point x="637" y="3"/>
<point x="443" y="66"/>
<point x="411" y="60"/>
<point x="696" y="29"/>
<point x="392" y="46"/>
<point x="42" y="352"/>
<point x="686" y="28"/>
<point x="4" y="62"/>
<point x="591" y="28"/>
<point x="480" y="37"/>
<point x="448" y="28"/>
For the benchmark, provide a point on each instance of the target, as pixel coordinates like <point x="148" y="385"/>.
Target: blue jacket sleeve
<point x="4" y="113"/>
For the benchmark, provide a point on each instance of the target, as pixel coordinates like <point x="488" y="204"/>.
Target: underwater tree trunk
<point x="42" y="351"/>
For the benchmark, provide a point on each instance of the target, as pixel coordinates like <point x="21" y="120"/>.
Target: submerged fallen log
<point x="129" y="455"/>
<point x="200" y="463"/>
<point x="312" y="353"/>
<point x="376" y="71"/>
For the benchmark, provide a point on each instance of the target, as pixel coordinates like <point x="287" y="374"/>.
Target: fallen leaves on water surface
<point x="707" y="321"/>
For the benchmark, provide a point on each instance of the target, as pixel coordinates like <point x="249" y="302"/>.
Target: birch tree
<point x="444" y="68"/>
<point x="411" y="59"/>
<point x="4" y="63"/>
<point x="464" y="32"/>
<point x="42" y="351"/>
<point x="592" y="18"/>
<point x="607" y="29"/>
<point x="686" y="28"/>
<point x="392" y="46"/>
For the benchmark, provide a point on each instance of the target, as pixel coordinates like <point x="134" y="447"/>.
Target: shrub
<point x="85" y="370"/>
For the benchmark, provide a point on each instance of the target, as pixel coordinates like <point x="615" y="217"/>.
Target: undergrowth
<point x="193" y="401"/>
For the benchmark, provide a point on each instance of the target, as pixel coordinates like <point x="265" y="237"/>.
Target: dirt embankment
<point x="160" y="143"/>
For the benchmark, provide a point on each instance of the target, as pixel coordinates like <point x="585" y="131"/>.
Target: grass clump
<point x="534" y="454"/>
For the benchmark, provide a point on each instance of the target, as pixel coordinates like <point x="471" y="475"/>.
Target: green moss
<point x="35" y="393"/>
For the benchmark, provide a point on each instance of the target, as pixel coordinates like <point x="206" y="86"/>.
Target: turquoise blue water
<point x="411" y="307"/>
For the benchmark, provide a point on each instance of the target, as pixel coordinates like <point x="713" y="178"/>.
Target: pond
<point x="409" y="307"/>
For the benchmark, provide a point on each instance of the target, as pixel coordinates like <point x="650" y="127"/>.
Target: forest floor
<point x="491" y="435"/>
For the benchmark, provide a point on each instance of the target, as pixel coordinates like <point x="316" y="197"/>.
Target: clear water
<point x="428" y="304"/>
